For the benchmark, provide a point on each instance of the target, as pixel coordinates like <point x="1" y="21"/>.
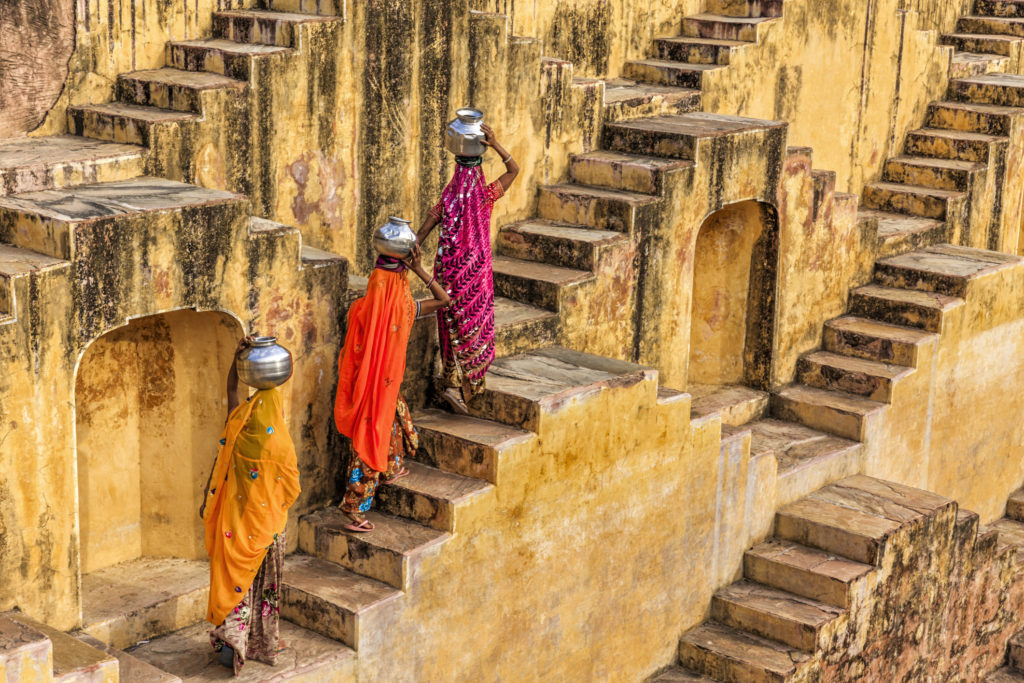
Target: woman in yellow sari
<point x="254" y="481"/>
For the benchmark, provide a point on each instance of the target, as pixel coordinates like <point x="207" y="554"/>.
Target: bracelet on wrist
<point x="507" y="159"/>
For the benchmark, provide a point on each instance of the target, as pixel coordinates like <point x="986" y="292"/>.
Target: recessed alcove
<point x="732" y="306"/>
<point x="149" y="410"/>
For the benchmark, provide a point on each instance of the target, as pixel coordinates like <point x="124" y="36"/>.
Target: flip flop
<point x="398" y="475"/>
<point x="360" y="527"/>
<point x="456" y="404"/>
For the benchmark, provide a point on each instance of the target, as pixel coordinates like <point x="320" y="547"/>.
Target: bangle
<point x="431" y="281"/>
<point x="506" y="160"/>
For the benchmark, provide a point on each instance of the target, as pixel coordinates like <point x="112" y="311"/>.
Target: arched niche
<point x="733" y="303"/>
<point x="149" y="409"/>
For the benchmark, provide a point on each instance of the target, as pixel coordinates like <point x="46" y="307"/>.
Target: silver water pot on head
<point x="264" y="364"/>
<point x="463" y="136"/>
<point x="395" y="238"/>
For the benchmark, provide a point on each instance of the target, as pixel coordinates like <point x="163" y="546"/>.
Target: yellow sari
<point x="255" y="480"/>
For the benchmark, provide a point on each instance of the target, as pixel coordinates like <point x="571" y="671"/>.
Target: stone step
<point x="735" y="404"/>
<point x="746" y="8"/>
<point x="598" y="207"/>
<point x="805" y="571"/>
<point x="72" y="660"/>
<point x="912" y="308"/>
<point x="677" y="137"/>
<point x="1010" y="537"/>
<point x="697" y="50"/>
<point x="52" y="221"/>
<point x="391" y="553"/>
<point x="330" y="8"/>
<point x="771" y="613"/>
<point x="626" y="99"/>
<point x="1006" y="674"/>
<point x="677" y="674"/>
<point x="264" y="27"/>
<point x="335" y="602"/>
<point x="873" y="340"/>
<point x="1015" y="656"/>
<point x="1002" y="89"/>
<point x="566" y="246"/>
<point x="539" y="284"/>
<point x="972" y="117"/>
<point x="1006" y="26"/>
<point x="431" y="496"/>
<point x="1015" y="505"/>
<point x="869" y="378"/>
<point x="999" y="8"/>
<point x="951" y="144"/>
<point x="220" y="56"/>
<point x="915" y="200"/>
<point x="733" y="656"/>
<point x="124" y="123"/>
<point x="834" y="412"/>
<point x="943" y="174"/>
<point x="143" y="598"/>
<point x="944" y="268"/>
<point x="665" y="72"/>
<point x="25" y="654"/>
<point x="806" y="458"/>
<point x="129" y="668"/>
<point x="746" y="29"/>
<point x="166" y="88"/>
<point x="53" y="162"/>
<point x="983" y="43"/>
<point x="466" y="445"/>
<point x="519" y="326"/>
<point x="899" y="232"/>
<point x="627" y="172"/>
<point x="18" y="269"/>
<point x="968" y="64"/>
<point x="835" y="529"/>
<point x="305" y="656"/>
<point x="523" y="390"/>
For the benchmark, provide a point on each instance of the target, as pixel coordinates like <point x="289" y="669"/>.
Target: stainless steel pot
<point x="463" y="136"/>
<point x="264" y="364"/>
<point x="395" y="238"/>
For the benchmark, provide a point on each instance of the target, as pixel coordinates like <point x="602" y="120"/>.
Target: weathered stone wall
<point x="39" y="38"/>
<point x="942" y="608"/>
<point x="204" y="257"/>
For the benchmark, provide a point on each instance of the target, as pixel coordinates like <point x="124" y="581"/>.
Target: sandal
<point x="455" y="402"/>
<point x="398" y="475"/>
<point x="359" y="526"/>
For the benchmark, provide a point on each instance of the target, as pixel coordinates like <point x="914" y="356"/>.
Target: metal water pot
<point x="395" y="238"/>
<point x="264" y="364"/>
<point x="463" y="136"/>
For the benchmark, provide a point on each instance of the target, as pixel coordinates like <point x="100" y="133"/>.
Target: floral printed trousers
<point x="251" y="629"/>
<point x="363" y="480"/>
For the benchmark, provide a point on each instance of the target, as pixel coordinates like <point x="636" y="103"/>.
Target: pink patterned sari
<point x="463" y="267"/>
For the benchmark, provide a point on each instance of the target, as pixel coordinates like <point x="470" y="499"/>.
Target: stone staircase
<point x="199" y="116"/>
<point x="350" y="587"/>
<point x="942" y="187"/>
<point x="707" y="44"/>
<point x="809" y="593"/>
<point x="1010" y="530"/>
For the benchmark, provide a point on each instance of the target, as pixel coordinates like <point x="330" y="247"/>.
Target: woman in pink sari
<point x="463" y="267"/>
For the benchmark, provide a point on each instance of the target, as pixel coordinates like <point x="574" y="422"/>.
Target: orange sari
<point x="254" y="482"/>
<point x="372" y="363"/>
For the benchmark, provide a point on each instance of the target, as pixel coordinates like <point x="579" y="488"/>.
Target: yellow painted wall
<point x="721" y="286"/>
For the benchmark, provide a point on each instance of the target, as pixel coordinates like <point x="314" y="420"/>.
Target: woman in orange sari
<point x="369" y="408"/>
<point x="254" y="481"/>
